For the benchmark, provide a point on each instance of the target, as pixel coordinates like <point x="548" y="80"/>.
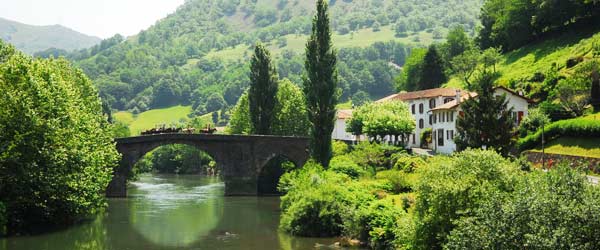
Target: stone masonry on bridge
<point x="240" y="158"/>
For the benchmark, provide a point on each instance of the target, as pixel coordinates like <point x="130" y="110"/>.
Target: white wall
<point x="339" y="131"/>
<point x="446" y="124"/>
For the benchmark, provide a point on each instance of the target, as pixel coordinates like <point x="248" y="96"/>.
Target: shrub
<point x="375" y="223"/>
<point x="374" y="156"/>
<point x="397" y="180"/>
<point x="316" y="200"/>
<point x="533" y="121"/>
<point x="426" y="136"/>
<point x="579" y="127"/>
<point x="554" y="210"/>
<point x="451" y="187"/>
<point x="345" y="165"/>
<point x="408" y="163"/>
<point x="339" y="148"/>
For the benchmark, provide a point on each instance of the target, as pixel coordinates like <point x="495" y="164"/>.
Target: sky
<point x="101" y="18"/>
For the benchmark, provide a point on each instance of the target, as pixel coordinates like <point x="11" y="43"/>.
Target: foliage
<point x="344" y="164"/>
<point x="316" y="201"/>
<point x="408" y="163"/>
<point x="262" y="95"/>
<point x="120" y="130"/>
<point x="339" y="148"/>
<point x="360" y="98"/>
<point x="290" y="114"/>
<point x="485" y="120"/>
<point x="372" y="156"/>
<point x="425" y="137"/>
<point x="433" y="72"/>
<point x="553" y="210"/>
<point x="375" y="223"/>
<point x="512" y="23"/>
<point x="179" y="159"/>
<point x="56" y="142"/>
<point x="3" y="219"/>
<point x="579" y="127"/>
<point x="380" y="119"/>
<point x="320" y="85"/>
<point x="452" y="187"/>
<point x="397" y="180"/>
<point x="457" y="43"/>
<point x="533" y="121"/>
<point x="410" y="77"/>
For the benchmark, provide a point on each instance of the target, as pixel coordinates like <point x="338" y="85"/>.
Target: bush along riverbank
<point x="382" y="198"/>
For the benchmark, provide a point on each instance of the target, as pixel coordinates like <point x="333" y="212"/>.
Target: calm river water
<point x="175" y="212"/>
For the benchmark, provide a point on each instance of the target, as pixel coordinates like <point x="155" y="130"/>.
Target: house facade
<point x="445" y="116"/>
<point x="339" y="129"/>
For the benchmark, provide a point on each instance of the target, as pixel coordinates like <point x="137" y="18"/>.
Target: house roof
<point x="428" y="93"/>
<point x="344" y="114"/>
<point x="454" y="104"/>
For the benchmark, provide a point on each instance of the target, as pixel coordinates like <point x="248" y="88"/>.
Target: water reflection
<point x="175" y="212"/>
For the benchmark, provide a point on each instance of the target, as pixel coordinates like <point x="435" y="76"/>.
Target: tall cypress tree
<point x="262" y="96"/>
<point x="320" y="85"/>
<point x="486" y="119"/>
<point x="432" y="74"/>
<point x="595" y="91"/>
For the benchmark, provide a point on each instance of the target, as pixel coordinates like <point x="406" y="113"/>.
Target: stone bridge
<point x="240" y="158"/>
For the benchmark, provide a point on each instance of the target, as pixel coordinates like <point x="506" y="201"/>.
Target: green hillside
<point x="31" y="39"/>
<point x="586" y="147"/>
<point x="200" y="52"/>
<point x="171" y="116"/>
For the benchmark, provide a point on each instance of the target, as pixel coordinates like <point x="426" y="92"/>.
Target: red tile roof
<point x="344" y="114"/>
<point x="428" y="93"/>
<point x="454" y="103"/>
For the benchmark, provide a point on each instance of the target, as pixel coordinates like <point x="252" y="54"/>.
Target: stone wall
<point x="592" y="164"/>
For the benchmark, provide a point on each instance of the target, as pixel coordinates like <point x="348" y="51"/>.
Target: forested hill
<point x="197" y="55"/>
<point x="31" y="38"/>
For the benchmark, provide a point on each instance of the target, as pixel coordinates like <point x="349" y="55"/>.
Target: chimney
<point x="458" y="96"/>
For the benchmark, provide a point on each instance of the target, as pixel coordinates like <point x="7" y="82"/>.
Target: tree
<point x="320" y="85"/>
<point x="290" y="117"/>
<point x="58" y="152"/>
<point x="490" y="57"/>
<point x="388" y="118"/>
<point x="486" y="119"/>
<point x="411" y="74"/>
<point x="465" y="65"/>
<point x="215" y="102"/>
<point x="595" y="89"/>
<point x="432" y="73"/>
<point x="360" y="98"/>
<point x="457" y="42"/>
<point x="262" y="95"/>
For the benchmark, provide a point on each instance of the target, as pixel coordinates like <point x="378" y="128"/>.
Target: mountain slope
<point x="31" y="39"/>
<point x="199" y="53"/>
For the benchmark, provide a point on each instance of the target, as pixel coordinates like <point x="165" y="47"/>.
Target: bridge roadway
<point x="240" y="158"/>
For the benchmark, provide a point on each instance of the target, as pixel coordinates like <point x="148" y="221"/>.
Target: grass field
<point x="151" y="118"/>
<point x="296" y="43"/>
<point x="522" y="64"/>
<point x="586" y="147"/>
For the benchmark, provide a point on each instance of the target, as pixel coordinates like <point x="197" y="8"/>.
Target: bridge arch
<point x="239" y="158"/>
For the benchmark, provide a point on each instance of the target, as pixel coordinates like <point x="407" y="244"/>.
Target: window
<point x="443" y="117"/>
<point x="449" y="134"/>
<point x="432" y="103"/>
<point x="451" y="117"/>
<point x="421" y="108"/>
<point x="519" y="117"/>
<point x="421" y="123"/>
<point x="434" y="118"/>
<point x="412" y="107"/>
<point x="447" y="100"/>
<point x="430" y="119"/>
<point x="440" y="136"/>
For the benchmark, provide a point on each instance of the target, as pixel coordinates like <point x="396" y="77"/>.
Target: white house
<point x="444" y="117"/>
<point x="339" y="129"/>
<point x="420" y="104"/>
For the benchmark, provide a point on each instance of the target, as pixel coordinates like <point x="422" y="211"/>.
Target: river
<point x="175" y="212"/>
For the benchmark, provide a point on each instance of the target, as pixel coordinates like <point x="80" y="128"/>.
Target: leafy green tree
<point x="534" y="121"/>
<point x="432" y="74"/>
<point x="387" y="118"/>
<point x="485" y="120"/>
<point x="465" y="65"/>
<point x="457" y="42"/>
<point x="262" y="96"/>
<point x="215" y="102"/>
<point x="411" y="74"/>
<point x="57" y="148"/>
<point x="290" y="113"/>
<point x="320" y="85"/>
<point x="360" y="98"/>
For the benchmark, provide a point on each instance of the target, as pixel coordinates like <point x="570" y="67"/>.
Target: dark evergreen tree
<point x="320" y="85"/>
<point x="432" y="73"/>
<point x="262" y="96"/>
<point x="485" y="120"/>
